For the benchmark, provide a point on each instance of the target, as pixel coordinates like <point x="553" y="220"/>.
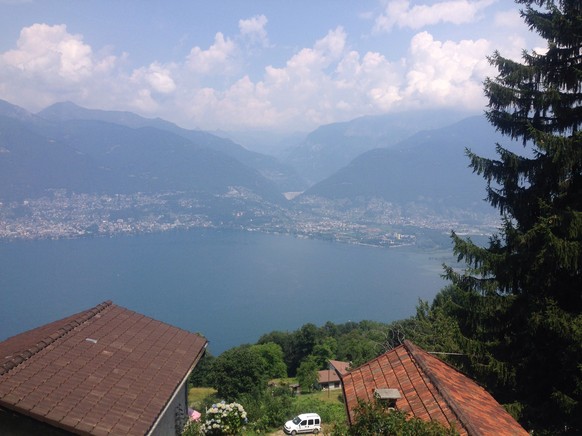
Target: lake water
<point x="230" y="286"/>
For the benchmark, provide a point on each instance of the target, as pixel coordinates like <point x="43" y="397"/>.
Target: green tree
<point x="285" y="341"/>
<point x="202" y="373"/>
<point x="304" y="340"/>
<point x="273" y="355"/>
<point x="527" y="283"/>
<point x="461" y="324"/>
<point x="240" y="370"/>
<point x="307" y="373"/>
<point x="325" y="351"/>
<point x="357" y="348"/>
<point x="434" y="327"/>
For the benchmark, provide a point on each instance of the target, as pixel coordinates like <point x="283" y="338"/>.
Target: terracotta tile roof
<point x="430" y="390"/>
<point x="332" y="375"/>
<point x="104" y="370"/>
<point x="339" y="366"/>
<point x="327" y="376"/>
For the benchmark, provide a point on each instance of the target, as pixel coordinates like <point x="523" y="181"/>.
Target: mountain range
<point x="389" y="158"/>
<point x="429" y="168"/>
<point x="283" y="175"/>
<point x="333" y="146"/>
<point x="80" y="150"/>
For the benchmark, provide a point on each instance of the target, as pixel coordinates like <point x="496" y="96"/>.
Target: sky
<point x="262" y="65"/>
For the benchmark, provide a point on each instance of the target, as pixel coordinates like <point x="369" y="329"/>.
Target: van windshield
<point x="296" y="420"/>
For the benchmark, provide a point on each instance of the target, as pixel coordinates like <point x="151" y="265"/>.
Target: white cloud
<point x="332" y="45"/>
<point x="309" y="61"/>
<point x="48" y="49"/>
<point x="157" y="76"/>
<point x="317" y="85"/>
<point x="447" y="73"/>
<point x="326" y="82"/>
<point x="143" y="101"/>
<point x="218" y="59"/>
<point x="400" y="13"/>
<point x="367" y="84"/>
<point x="254" y="29"/>
<point x="49" y="64"/>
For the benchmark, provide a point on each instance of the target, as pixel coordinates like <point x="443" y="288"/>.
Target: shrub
<point x="192" y="428"/>
<point x="224" y="419"/>
<point x="329" y="412"/>
<point x="269" y="410"/>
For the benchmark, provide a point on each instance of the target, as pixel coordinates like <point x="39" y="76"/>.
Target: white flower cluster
<point x="224" y="418"/>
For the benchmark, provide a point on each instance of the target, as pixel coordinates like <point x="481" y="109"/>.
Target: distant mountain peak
<point x="66" y="111"/>
<point x="12" y="111"/>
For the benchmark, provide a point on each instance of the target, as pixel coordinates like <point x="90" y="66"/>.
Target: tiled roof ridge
<point x="83" y="317"/>
<point x="340" y="366"/>
<point x="375" y="359"/>
<point x="441" y="388"/>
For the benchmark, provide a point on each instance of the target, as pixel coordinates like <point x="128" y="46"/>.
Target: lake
<point x="230" y="286"/>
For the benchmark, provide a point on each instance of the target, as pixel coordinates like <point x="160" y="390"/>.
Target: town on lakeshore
<point x="376" y="223"/>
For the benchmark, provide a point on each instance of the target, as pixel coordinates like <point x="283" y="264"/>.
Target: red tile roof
<point x="339" y="366"/>
<point x="331" y="375"/>
<point x="431" y="390"/>
<point x="327" y="376"/>
<point x="104" y="370"/>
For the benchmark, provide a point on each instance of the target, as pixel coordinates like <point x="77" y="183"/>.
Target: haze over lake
<point x="230" y="286"/>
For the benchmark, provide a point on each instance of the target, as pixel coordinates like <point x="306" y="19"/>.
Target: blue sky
<point x="255" y="65"/>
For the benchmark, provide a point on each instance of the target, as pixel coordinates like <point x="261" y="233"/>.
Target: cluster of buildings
<point x="83" y="215"/>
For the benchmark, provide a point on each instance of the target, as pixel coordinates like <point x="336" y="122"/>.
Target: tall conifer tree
<point x="528" y="279"/>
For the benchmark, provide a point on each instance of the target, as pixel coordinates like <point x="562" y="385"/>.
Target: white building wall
<point x="173" y="420"/>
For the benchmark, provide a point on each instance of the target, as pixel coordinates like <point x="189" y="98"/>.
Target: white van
<point x="304" y="423"/>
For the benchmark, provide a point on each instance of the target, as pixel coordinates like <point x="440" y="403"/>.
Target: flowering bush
<point x="192" y="428"/>
<point x="224" y="419"/>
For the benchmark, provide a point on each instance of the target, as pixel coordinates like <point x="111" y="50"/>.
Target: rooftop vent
<point x="388" y="395"/>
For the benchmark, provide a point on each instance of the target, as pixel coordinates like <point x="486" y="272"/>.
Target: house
<point x="106" y="370"/>
<point x="416" y="382"/>
<point x="329" y="379"/>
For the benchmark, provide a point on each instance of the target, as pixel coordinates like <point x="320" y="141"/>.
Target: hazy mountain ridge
<point x="331" y="147"/>
<point x="10" y="110"/>
<point x="29" y="163"/>
<point x="429" y="169"/>
<point x="98" y="156"/>
<point x="282" y="175"/>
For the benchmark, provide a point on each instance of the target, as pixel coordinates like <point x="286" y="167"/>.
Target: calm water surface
<point x="230" y="286"/>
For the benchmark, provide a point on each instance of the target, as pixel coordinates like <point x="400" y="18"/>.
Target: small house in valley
<point x="106" y="370"/>
<point x="329" y="379"/>
<point x="418" y="383"/>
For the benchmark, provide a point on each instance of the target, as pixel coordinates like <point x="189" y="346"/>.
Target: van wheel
<point x="316" y="431"/>
<point x="293" y="433"/>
